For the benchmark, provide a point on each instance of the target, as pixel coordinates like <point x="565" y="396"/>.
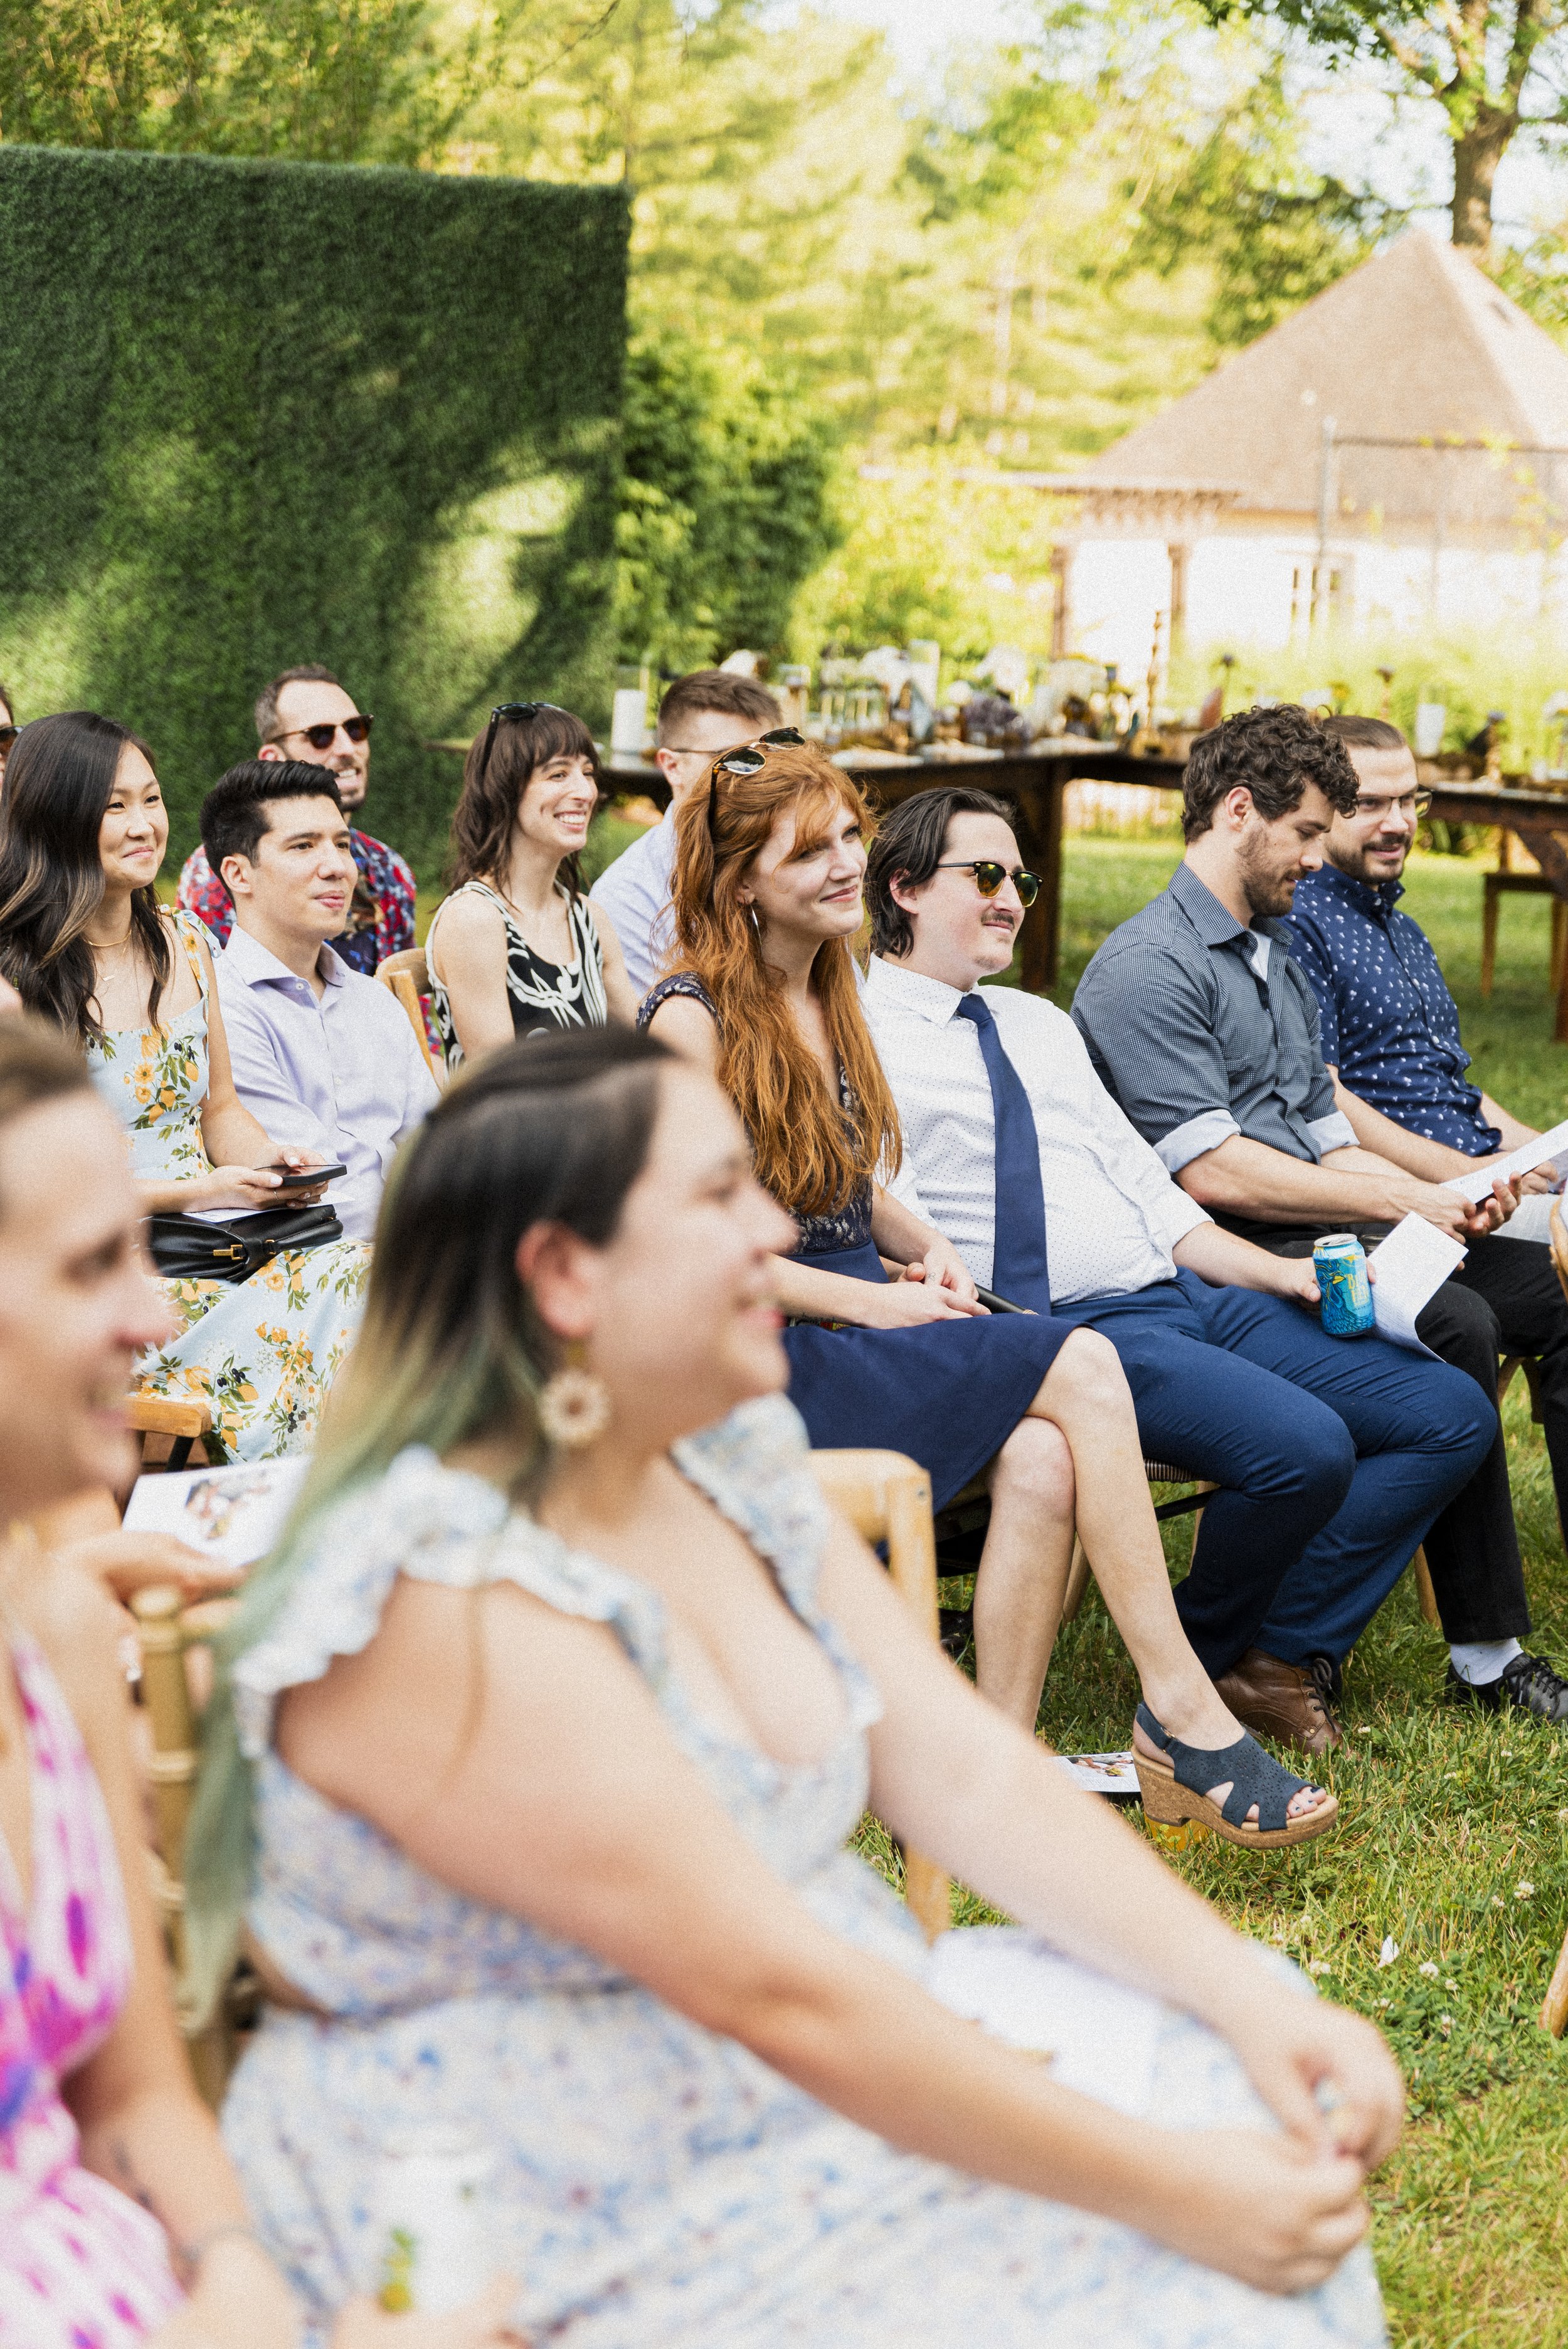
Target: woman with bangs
<point x="767" y="888"/>
<point x="522" y="951"/>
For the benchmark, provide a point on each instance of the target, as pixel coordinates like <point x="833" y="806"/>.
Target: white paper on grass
<point x="1101" y="1773"/>
<point x="232" y="1516"/>
<point x="1523" y="1161"/>
<point x="1101" y="2037"/>
<point x="1412" y="1265"/>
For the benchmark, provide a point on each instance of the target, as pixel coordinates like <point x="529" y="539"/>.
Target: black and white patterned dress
<point x="542" y="995"/>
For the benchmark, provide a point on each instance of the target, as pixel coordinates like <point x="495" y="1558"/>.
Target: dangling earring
<point x="573" y="1403"/>
<point x="755" y="925"/>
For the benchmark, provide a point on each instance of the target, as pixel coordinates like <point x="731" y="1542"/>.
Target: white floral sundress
<point x="264" y="1352"/>
<point x="655" y="2185"/>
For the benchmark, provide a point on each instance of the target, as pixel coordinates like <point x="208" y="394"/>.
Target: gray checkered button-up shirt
<point x="1201" y="1028"/>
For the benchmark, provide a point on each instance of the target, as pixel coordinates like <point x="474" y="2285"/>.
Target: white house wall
<point x="1252" y="586"/>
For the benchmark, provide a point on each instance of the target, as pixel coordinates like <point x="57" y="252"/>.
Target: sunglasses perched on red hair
<point x="746" y="762"/>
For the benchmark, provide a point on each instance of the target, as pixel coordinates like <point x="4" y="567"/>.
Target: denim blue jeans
<point x="1333" y="1456"/>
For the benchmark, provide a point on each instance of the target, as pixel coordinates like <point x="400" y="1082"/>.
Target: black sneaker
<point x="1528" y="1682"/>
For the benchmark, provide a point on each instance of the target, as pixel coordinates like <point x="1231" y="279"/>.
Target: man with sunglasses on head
<point x="1331" y="1460"/>
<point x="701" y="716"/>
<point x="305" y="714"/>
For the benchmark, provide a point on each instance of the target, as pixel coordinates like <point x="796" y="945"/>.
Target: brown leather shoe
<point x="1287" y="1701"/>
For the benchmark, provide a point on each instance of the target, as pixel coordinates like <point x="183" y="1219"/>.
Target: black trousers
<point x="1505" y="1298"/>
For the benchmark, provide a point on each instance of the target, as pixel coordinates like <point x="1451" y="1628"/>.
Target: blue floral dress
<point x="262" y="1351"/>
<point x="655" y="2185"/>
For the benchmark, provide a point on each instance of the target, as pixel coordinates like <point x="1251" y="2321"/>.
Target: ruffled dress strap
<point x="192" y="937"/>
<point x="438" y="1525"/>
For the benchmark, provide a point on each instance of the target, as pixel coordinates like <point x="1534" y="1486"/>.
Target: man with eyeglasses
<point x="306" y="715"/>
<point x="1331" y="1461"/>
<point x="1205" y="1026"/>
<point x="702" y="716"/>
<point x="1391" y="1041"/>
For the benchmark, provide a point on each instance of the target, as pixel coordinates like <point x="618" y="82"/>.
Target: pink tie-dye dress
<point x="81" y="2266"/>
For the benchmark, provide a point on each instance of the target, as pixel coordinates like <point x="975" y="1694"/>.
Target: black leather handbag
<point x="185" y="1248"/>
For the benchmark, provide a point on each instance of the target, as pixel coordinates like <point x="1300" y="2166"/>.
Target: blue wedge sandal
<point x="1175" y="1785"/>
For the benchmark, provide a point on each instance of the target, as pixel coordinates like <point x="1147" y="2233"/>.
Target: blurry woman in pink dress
<point x="121" y="2220"/>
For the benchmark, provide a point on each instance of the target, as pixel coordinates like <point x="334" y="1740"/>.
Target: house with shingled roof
<point x="1394" y="453"/>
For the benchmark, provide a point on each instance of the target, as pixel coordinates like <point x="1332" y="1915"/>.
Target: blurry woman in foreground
<point x="588" y="1897"/>
<point x="121" y="2220"/>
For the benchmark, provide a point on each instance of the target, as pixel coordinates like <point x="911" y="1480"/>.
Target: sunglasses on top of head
<point x="320" y="738"/>
<point x="746" y="761"/>
<point x="519" y="711"/>
<point x="989" y="876"/>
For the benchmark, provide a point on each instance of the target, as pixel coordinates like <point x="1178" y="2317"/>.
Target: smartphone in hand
<point x="304" y="1178"/>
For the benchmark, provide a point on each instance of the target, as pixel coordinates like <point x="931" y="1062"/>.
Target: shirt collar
<point x="1216" y="926"/>
<point x="257" y="966"/>
<point x="1366" y="896"/>
<point x="931" y="998"/>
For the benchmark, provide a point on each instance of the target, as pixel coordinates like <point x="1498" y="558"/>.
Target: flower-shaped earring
<point x="573" y="1403"/>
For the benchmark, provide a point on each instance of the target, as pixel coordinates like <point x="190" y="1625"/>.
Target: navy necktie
<point x="1020" y="1271"/>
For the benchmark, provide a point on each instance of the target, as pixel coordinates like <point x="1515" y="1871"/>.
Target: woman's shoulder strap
<point x="680" y="982"/>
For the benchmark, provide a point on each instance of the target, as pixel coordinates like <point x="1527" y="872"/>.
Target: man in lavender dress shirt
<point x="321" y="1055"/>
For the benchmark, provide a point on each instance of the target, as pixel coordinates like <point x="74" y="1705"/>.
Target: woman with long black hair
<point x="83" y="938"/>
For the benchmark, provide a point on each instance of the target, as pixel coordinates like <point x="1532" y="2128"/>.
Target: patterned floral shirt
<point x="380" y="912"/>
<point x="1389" y="1025"/>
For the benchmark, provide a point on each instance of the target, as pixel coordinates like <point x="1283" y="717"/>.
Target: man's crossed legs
<point x="1333" y="1457"/>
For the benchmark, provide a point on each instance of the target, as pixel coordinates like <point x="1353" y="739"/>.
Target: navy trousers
<point x="1334" y="1456"/>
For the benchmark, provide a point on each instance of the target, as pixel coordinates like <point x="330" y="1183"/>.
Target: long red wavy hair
<point x="804" y="1152"/>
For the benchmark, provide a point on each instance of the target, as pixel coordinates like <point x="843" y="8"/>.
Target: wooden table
<point x="1539" y="819"/>
<point x="1032" y="782"/>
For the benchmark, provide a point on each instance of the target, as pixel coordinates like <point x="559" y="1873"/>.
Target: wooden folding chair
<point x="408" y="978"/>
<point x="166" y="1630"/>
<point x="887" y="1499"/>
<point x="185" y="1423"/>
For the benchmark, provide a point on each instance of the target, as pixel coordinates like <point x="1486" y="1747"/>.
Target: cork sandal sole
<point x="1168" y="1805"/>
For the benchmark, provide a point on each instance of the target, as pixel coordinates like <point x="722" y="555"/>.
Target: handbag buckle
<point x="231" y="1254"/>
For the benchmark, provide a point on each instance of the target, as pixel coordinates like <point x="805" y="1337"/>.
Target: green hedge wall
<point x="254" y="414"/>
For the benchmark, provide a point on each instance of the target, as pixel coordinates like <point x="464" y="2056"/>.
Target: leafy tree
<point x="1493" y="67"/>
<point x="727" y="504"/>
<point x="1272" y="231"/>
<point x="323" y="80"/>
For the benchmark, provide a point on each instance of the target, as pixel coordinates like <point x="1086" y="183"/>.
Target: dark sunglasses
<point x="746" y="762"/>
<point x="320" y="738"/>
<point x="989" y="876"/>
<point x="7" y="736"/>
<point x="522" y="710"/>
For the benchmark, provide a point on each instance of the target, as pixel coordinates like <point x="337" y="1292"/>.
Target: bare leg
<point x="1084" y="1394"/>
<point x="1023" y="1567"/>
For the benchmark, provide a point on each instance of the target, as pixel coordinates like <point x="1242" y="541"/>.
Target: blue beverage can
<point x="1339" y="1262"/>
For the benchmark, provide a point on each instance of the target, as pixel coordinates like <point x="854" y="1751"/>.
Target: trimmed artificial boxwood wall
<point x="259" y="414"/>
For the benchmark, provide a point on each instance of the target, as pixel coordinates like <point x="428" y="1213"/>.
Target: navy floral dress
<point x="946" y="1393"/>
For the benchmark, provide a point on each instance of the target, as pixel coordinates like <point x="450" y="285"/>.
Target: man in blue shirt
<point x="1390" y="1037"/>
<point x="1207" y="1031"/>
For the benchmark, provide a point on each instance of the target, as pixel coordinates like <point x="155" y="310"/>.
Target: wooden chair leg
<point x="1078" y="1583"/>
<point x="1559" y="936"/>
<point x="1554" y="2007"/>
<point x="1488" y="901"/>
<point x="1424" y="1591"/>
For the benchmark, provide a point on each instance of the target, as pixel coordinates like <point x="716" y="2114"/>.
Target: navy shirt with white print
<point x="1390" y="1024"/>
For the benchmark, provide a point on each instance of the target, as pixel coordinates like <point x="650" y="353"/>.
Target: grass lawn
<point x="1455" y="1833"/>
